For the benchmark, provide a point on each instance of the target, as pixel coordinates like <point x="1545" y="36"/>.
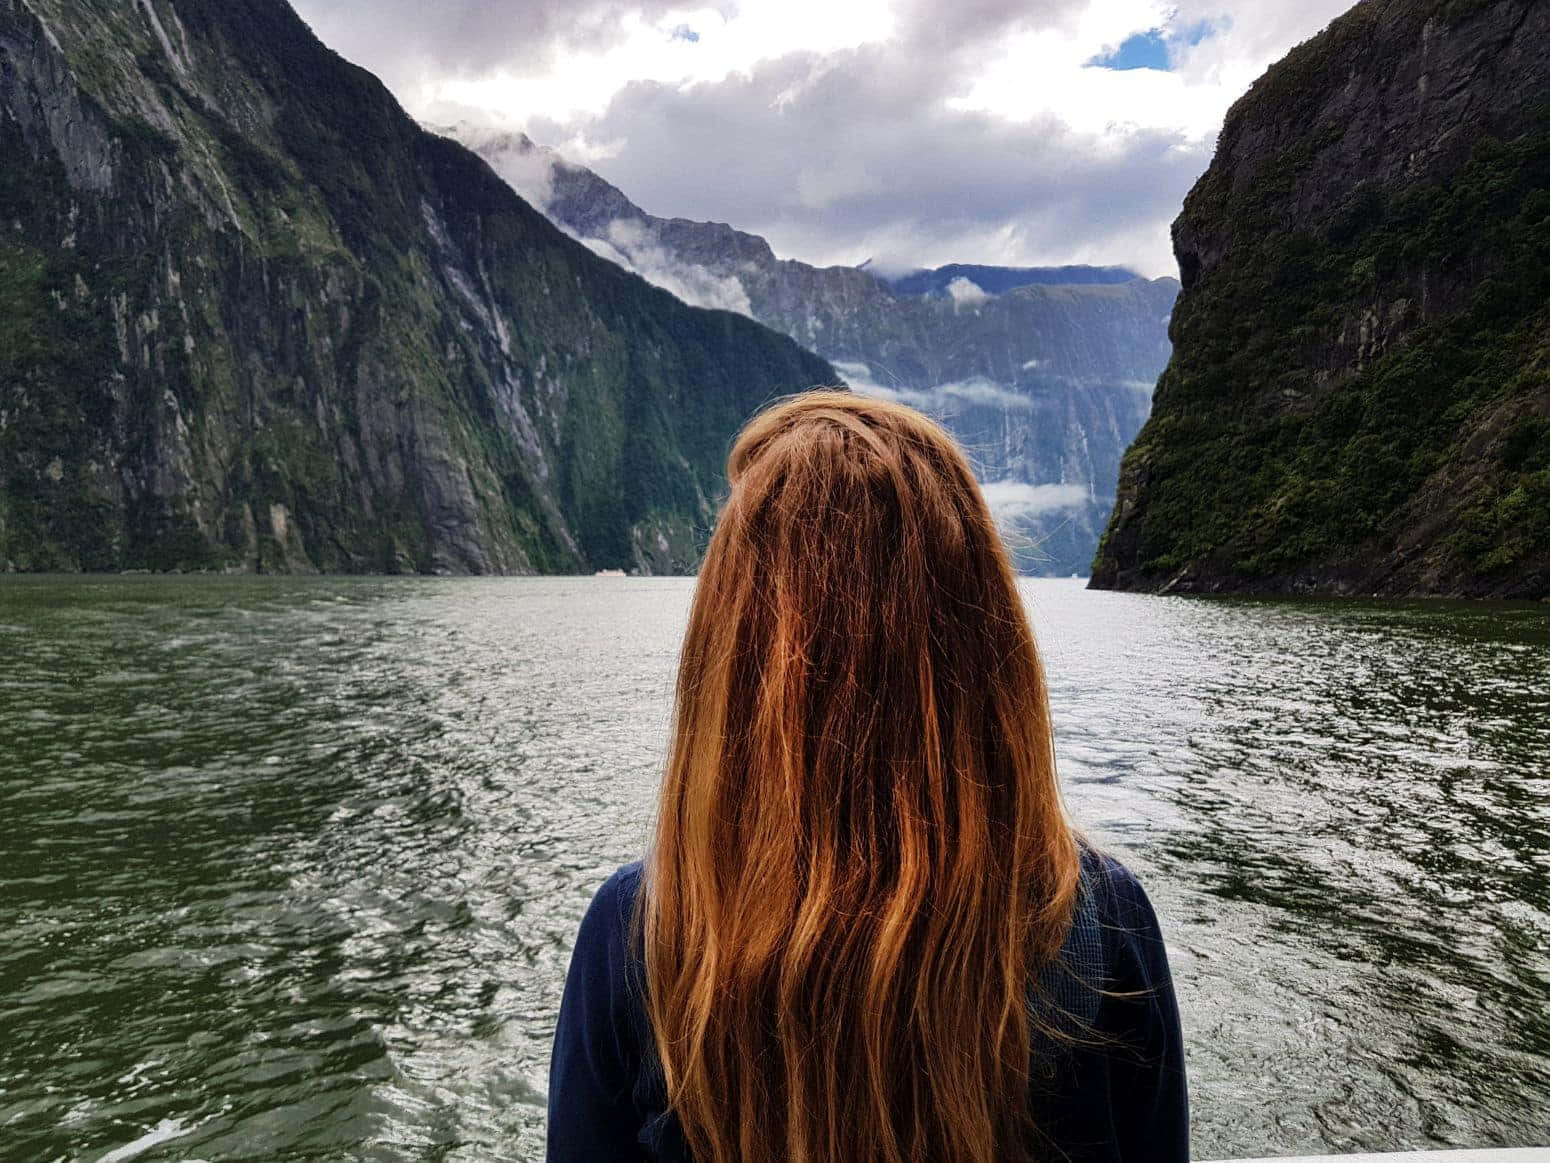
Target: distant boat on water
<point x="611" y="573"/>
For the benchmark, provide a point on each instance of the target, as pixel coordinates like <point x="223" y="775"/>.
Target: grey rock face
<point x="1415" y="93"/>
<point x="1045" y="384"/>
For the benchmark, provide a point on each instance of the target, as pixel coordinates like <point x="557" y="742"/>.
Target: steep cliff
<point x="1044" y="375"/>
<point x="253" y="317"/>
<point x="1359" y="396"/>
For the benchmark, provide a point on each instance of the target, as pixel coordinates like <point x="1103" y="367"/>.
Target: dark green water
<point x="289" y="869"/>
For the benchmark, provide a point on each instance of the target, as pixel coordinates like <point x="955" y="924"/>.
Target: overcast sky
<point x="914" y="132"/>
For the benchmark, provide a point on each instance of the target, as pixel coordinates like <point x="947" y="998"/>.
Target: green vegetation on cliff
<point x="252" y="317"/>
<point x="1359" y="399"/>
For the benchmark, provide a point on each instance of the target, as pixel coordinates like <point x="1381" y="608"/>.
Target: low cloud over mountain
<point x="1000" y="132"/>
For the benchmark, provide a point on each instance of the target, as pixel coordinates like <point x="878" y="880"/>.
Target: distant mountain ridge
<point x="999" y="280"/>
<point x="252" y="317"/>
<point x="1045" y="382"/>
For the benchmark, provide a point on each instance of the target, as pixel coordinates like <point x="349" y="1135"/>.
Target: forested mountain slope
<point x="253" y="317"/>
<point x="1359" y="395"/>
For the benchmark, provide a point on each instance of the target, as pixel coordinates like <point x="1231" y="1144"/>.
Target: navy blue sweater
<point x="1117" y="1094"/>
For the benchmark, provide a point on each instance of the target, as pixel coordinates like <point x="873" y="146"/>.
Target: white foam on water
<point x="162" y="1132"/>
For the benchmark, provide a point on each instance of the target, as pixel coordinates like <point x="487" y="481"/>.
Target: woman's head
<point x="861" y="859"/>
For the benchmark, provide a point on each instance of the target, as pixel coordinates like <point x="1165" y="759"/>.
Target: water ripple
<point x="292" y="867"/>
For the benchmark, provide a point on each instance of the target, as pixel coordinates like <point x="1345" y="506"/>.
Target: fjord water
<point x="289" y="869"/>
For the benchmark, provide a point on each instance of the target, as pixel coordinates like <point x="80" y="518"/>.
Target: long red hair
<point x="861" y="860"/>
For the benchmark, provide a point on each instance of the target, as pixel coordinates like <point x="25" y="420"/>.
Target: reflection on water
<point x="290" y="868"/>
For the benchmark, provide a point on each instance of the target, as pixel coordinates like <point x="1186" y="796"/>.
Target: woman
<point x="866" y="930"/>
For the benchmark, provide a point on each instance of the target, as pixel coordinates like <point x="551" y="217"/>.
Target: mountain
<point x="999" y="280"/>
<point x="1044" y="375"/>
<point x="253" y="317"/>
<point x="1359" y="396"/>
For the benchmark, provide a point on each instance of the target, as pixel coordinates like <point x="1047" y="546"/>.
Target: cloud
<point x="527" y="169"/>
<point x="978" y="21"/>
<point x="976" y="131"/>
<point x="890" y="266"/>
<point x="941" y="400"/>
<point x="631" y="246"/>
<point x="981" y="392"/>
<point x="575" y="77"/>
<point x="859" y="377"/>
<point x="411" y="46"/>
<point x="966" y="293"/>
<point x="896" y="175"/>
<point x="1010" y="500"/>
<point x="530" y="170"/>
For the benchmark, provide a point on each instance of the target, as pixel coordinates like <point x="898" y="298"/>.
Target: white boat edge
<point x="1489" y="1155"/>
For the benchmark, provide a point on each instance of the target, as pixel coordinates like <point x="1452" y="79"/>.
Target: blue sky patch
<point x="684" y="32"/>
<point x="1149" y="50"/>
<point x="1145" y="50"/>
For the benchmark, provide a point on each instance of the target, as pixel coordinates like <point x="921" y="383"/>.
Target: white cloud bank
<point x="631" y="246"/>
<point x="527" y="170"/>
<point x="530" y="171"/>
<point x="941" y="400"/>
<point x="936" y="132"/>
<point x="1011" y="500"/>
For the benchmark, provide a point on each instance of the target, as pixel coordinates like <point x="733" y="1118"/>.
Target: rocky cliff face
<point x="1359" y="397"/>
<point x="1045" y="376"/>
<point x="252" y="317"/>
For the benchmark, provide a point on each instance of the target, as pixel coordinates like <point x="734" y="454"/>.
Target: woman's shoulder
<point x="607" y="928"/>
<point x="1114" y="890"/>
<point x="1118" y="926"/>
<point x="1115" y="936"/>
<point x="1124" y="1093"/>
<point x="622" y="887"/>
<point x="606" y="976"/>
<point x="1101" y="944"/>
<point x="1115" y="932"/>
